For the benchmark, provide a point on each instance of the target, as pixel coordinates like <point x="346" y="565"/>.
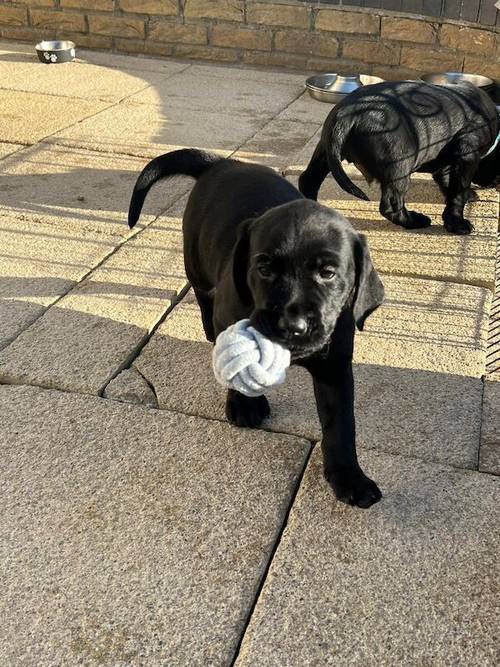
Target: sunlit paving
<point x="138" y="526"/>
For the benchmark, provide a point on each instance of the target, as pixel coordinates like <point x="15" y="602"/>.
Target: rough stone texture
<point x="129" y="386"/>
<point x="292" y="16"/>
<point x="430" y="415"/>
<point x="116" y="26"/>
<point x="164" y="7"/>
<point x="241" y="38"/>
<point x="88" y="82"/>
<point x="489" y="453"/>
<point x="371" y="52"/>
<point x="149" y="130"/>
<point x="131" y="63"/>
<point x="277" y="143"/>
<point x="229" y="10"/>
<point x="408" y="30"/>
<point x="80" y="343"/>
<point x="195" y="89"/>
<point x="428" y="325"/>
<point x="42" y="18"/>
<point x="177" y="32"/>
<point x="431" y="60"/>
<point x="79" y="190"/>
<point x="467" y="39"/>
<point x="33" y="117"/>
<point x="308" y="43"/>
<point x="8" y="149"/>
<point x="13" y="16"/>
<point x="142" y="542"/>
<point x="353" y="22"/>
<point x="39" y="264"/>
<point x="306" y="110"/>
<point x="417" y="575"/>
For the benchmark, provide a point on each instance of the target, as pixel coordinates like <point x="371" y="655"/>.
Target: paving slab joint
<point x="276" y="545"/>
<point x="128" y="361"/>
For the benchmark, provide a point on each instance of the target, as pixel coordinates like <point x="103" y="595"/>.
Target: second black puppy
<point x="255" y="248"/>
<point x="390" y="130"/>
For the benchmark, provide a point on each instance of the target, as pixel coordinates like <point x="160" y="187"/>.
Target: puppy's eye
<point x="264" y="270"/>
<point x="326" y="273"/>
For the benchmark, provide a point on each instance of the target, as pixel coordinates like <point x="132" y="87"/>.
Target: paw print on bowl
<point x="53" y="58"/>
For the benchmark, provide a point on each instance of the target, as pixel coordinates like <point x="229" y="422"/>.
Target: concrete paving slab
<point x="38" y="264"/>
<point x="86" y="81"/>
<point x="489" y="453"/>
<point x="8" y="149"/>
<point x="29" y="117"/>
<point x="78" y="189"/>
<point x="432" y="416"/>
<point x="83" y="341"/>
<point x="138" y="62"/>
<point x="413" y="579"/>
<point x="425" y="253"/>
<point x="149" y="130"/>
<point x="130" y="386"/>
<point x="428" y="325"/>
<point x="265" y="76"/>
<point x="196" y="90"/>
<point x="142" y="542"/>
<point x="277" y="142"/>
<point x="306" y="110"/>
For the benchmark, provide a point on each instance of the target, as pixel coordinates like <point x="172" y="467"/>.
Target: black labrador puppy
<point x="390" y="130"/>
<point x="255" y="248"/>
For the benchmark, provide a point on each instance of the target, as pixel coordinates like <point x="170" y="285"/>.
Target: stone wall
<point x="285" y="33"/>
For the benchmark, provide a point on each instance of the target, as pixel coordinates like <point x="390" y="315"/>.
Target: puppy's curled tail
<point x="334" y="138"/>
<point x="187" y="162"/>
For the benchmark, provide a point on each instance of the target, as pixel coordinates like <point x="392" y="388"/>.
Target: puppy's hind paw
<point x="355" y="489"/>
<point x="417" y="220"/>
<point x="457" y="225"/>
<point x="246" y="412"/>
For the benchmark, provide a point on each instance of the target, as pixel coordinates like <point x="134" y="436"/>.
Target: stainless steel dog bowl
<point x="448" y="78"/>
<point x="57" y="51"/>
<point x="333" y="88"/>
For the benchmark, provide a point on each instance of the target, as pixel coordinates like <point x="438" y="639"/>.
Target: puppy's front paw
<point x="417" y="220"/>
<point x="457" y="225"/>
<point x="245" y="411"/>
<point x="354" y="488"/>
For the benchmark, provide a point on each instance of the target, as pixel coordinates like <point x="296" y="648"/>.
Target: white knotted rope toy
<point x="245" y="360"/>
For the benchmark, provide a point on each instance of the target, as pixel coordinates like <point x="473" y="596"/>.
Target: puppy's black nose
<point x="293" y="326"/>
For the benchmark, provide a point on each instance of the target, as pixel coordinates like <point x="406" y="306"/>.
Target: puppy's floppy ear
<point x="368" y="290"/>
<point x="240" y="263"/>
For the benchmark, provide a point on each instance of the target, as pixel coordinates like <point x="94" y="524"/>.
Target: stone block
<point x="42" y="18"/>
<point x="228" y="10"/>
<point x="133" y="535"/>
<point x="408" y="30"/>
<point x="467" y="39"/>
<point x="163" y="31"/>
<point x="420" y="567"/>
<point x="270" y="14"/>
<point x="241" y="38"/>
<point x="350" y="22"/>
<point x="116" y="26"/>
<point x="489" y="453"/>
<point x="307" y="43"/>
<point x="25" y="117"/>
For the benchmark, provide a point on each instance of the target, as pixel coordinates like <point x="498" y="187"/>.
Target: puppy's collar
<point x="497" y="140"/>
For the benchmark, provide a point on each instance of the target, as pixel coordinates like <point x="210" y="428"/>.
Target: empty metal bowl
<point x="57" y="51"/>
<point x="334" y="87"/>
<point x="458" y="77"/>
